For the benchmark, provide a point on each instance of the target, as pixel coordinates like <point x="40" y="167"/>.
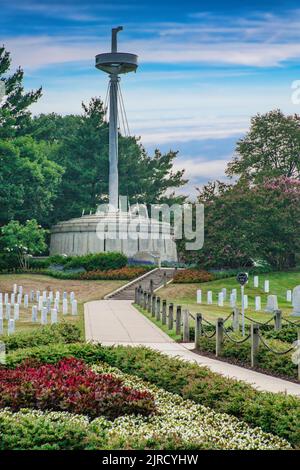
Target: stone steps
<point x="158" y="280"/>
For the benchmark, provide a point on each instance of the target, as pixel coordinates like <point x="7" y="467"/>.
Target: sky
<point x="204" y="67"/>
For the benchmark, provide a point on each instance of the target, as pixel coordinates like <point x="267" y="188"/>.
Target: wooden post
<point x="153" y="305"/>
<point x="157" y="308"/>
<point x="254" y="343"/>
<point x="145" y="301"/>
<point x="278" y="319"/>
<point x="136" y="295"/>
<point x="171" y="317"/>
<point x="186" y="326"/>
<point x="219" y="336"/>
<point x="165" y="278"/>
<point x="164" y="312"/>
<point x="140" y="296"/>
<point x="178" y="320"/>
<point x="198" y="329"/>
<point x="151" y="286"/>
<point x="235" y="319"/>
<point x="149" y="296"/>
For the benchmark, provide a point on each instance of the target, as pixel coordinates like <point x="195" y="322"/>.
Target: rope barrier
<point x="294" y="323"/>
<point x="208" y="322"/>
<point x="279" y="353"/>
<point x="229" y="316"/>
<point x="258" y="322"/>
<point x="236" y="341"/>
<point x="209" y="336"/>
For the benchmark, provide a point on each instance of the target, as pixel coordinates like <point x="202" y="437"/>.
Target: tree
<point x="24" y="240"/>
<point x="29" y="180"/>
<point x="14" y="112"/>
<point x="82" y="150"/>
<point x="246" y="222"/>
<point x="270" y="149"/>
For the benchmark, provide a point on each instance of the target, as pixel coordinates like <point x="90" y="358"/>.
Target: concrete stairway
<point x="158" y="276"/>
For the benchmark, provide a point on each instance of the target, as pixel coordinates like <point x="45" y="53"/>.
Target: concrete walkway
<point x="113" y="322"/>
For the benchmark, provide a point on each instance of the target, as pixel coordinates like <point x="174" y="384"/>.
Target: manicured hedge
<point x="192" y="275"/>
<point x="101" y="261"/>
<point x="49" y="334"/>
<point x="278" y="414"/>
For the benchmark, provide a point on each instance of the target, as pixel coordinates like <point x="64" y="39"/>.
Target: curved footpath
<point x="114" y="322"/>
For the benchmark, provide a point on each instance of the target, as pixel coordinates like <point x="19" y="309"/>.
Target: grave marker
<point x="296" y="301"/>
<point x="16" y="311"/>
<point x="256" y="281"/>
<point x="11" y="326"/>
<point x="53" y="316"/>
<point x="288" y="295"/>
<point x="34" y="312"/>
<point x="199" y="296"/>
<point x="257" y="303"/>
<point x="272" y="303"/>
<point x="267" y="286"/>
<point x="26" y="301"/>
<point x="220" y="299"/>
<point x="74" y="307"/>
<point x="209" y="297"/>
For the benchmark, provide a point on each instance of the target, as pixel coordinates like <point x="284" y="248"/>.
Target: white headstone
<point x="34" y="314"/>
<point x="72" y="296"/>
<point x="16" y="312"/>
<point x="234" y="292"/>
<point x="272" y="303"/>
<point x="1" y="326"/>
<point x="65" y="295"/>
<point x="209" y="297"/>
<point x="56" y="304"/>
<point x="19" y="299"/>
<point x="296" y="301"/>
<point x="15" y="288"/>
<point x="256" y="281"/>
<point x="6" y="298"/>
<point x="44" y="316"/>
<point x="11" y="326"/>
<point x="65" y="307"/>
<point x="40" y="304"/>
<point x="37" y="295"/>
<point x="257" y="303"/>
<point x="199" y="296"/>
<point x="53" y="316"/>
<point x="26" y="300"/>
<point x="1" y="298"/>
<point x="12" y="299"/>
<point x="220" y="299"/>
<point x="288" y="295"/>
<point x="267" y="286"/>
<point x="232" y="300"/>
<point x="44" y="295"/>
<point x="57" y="294"/>
<point x="7" y="312"/>
<point x="224" y="292"/>
<point x="51" y="296"/>
<point x="31" y="295"/>
<point x="245" y="301"/>
<point x="21" y="290"/>
<point x="74" y="307"/>
<point x="48" y="305"/>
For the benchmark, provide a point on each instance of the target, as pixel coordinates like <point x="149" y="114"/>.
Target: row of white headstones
<point x="272" y="301"/>
<point x="47" y="303"/>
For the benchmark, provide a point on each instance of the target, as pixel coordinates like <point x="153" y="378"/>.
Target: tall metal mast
<point x="114" y="63"/>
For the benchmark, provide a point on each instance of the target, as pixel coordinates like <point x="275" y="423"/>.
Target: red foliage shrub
<point x="126" y="273"/>
<point x="71" y="386"/>
<point x="192" y="275"/>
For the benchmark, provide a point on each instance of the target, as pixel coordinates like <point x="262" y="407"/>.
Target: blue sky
<point x="205" y="68"/>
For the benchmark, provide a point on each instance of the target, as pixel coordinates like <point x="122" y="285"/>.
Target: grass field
<point x="185" y="295"/>
<point x="84" y="292"/>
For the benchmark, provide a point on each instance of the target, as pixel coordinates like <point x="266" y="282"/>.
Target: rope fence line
<point x="174" y="316"/>
<point x="278" y="353"/>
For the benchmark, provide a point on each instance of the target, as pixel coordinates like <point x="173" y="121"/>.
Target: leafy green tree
<point x="271" y="148"/>
<point x="14" y="112"/>
<point x="23" y="240"/>
<point x="29" y="180"/>
<point x="246" y="222"/>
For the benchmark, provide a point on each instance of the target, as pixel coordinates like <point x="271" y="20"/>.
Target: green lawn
<point x="185" y="295"/>
<point x="84" y="292"/>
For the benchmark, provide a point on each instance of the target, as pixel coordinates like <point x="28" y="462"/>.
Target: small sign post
<point x="242" y="279"/>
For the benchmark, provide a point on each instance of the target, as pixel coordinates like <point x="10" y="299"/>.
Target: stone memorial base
<point x="139" y="238"/>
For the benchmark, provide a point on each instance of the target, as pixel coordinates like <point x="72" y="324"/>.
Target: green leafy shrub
<point x="278" y="414"/>
<point x="8" y="261"/>
<point x="49" y="334"/>
<point x="288" y="333"/>
<point x="98" y="261"/>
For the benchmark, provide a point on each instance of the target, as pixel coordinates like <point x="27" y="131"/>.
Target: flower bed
<point x="126" y="273"/>
<point x="192" y="275"/>
<point x="178" y="424"/>
<point x="71" y="386"/>
<point x="275" y="413"/>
